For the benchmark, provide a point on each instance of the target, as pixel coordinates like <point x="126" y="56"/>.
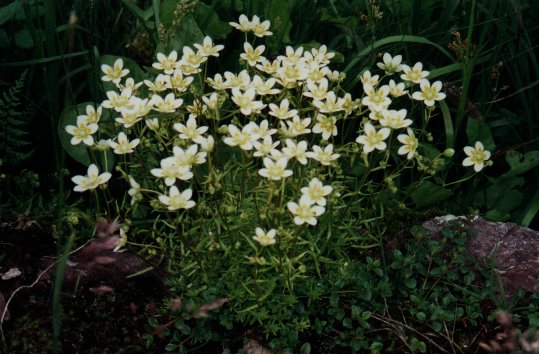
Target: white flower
<point x="316" y="192"/>
<point x="122" y="241"/>
<point x="260" y="29"/>
<point x="134" y="191"/>
<point x="244" y="24"/>
<point x="275" y="170"/>
<point x="327" y="126"/>
<point x="429" y="93"/>
<point x="264" y="88"/>
<point x="395" y="119"/>
<point x="376" y="99"/>
<point x="175" y="200"/>
<point x="91" y="181"/>
<point x="252" y="55"/>
<point x="114" y="73"/>
<point x="305" y="211"/>
<point x="266" y="147"/>
<point x="317" y="92"/>
<point x="167" y="105"/>
<point x="283" y="111"/>
<point x="373" y="139"/>
<point x="170" y="171"/>
<point x="397" y="90"/>
<point x="207" y="48"/>
<point x="367" y="78"/>
<point x="391" y="65"/>
<point x="190" y="130"/>
<point x="246" y="101"/>
<point x="414" y="74"/>
<point x="167" y="63"/>
<point x="323" y="155"/>
<point x="92" y="115"/>
<point x="298" y="151"/>
<point x="265" y="238"/>
<point x="476" y="156"/>
<point x="409" y="142"/>
<point x="206" y="143"/>
<point x="179" y="82"/>
<point x="124" y="146"/>
<point x="115" y="101"/>
<point x="188" y="157"/>
<point x="330" y="105"/>
<point x="161" y="83"/>
<point x="191" y="59"/>
<point x="243" y="138"/>
<point x="82" y="131"/>
<point x="152" y="123"/>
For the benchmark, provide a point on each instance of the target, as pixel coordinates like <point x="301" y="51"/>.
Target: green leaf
<point x="305" y="348"/>
<point x="281" y="23"/>
<point x="8" y="12"/>
<point x="209" y="22"/>
<point x="478" y="130"/>
<point x="410" y="282"/>
<point x="521" y="163"/>
<point x="186" y="34"/>
<point x="428" y="193"/>
<point x="167" y="12"/>
<point x="23" y="39"/>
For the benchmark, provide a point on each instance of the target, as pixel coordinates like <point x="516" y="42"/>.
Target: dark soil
<point x="102" y="311"/>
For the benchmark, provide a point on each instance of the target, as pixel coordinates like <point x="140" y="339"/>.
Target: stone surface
<point x="514" y="249"/>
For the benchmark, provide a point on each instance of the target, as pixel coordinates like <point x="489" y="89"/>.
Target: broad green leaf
<point x="4" y="39"/>
<point x="23" y="39"/>
<point x="478" y="130"/>
<point x="521" y="163"/>
<point x="209" y="22"/>
<point x="428" y="193"/>
<point x="186" y="34"/>
<point x="281" y="24"/>
<point x="167" y="12"/>
<point x="8" y="12"/>
<point x="448" y="124"/>
<point x="305" y="348"/>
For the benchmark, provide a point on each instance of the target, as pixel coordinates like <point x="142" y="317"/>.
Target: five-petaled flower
<point x="114" y="73"/>
<point x="265" y="238"/>
<point x="91" y="181"/>
<point x="429" y="93"/>
<point x="409" y="144"/>
<point x="176" y="200"/>
<point x="477" y="156"/>
<point x="304" y="211"/>
<point x="372" y="138"/>
<point x="124" y="146"/>
<point x="82" y="131"/>
<point x="316" y="192"/>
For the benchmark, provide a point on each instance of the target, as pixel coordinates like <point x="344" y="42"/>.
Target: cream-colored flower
<point x="82" y="131"/>
<point x="391" y="64"/>
<point x="167" y="105"/>
<point x="397" y="90"/>
<point x="92" y="115"/>
<point x="167" y="63"/>
<point x="275" y="170"/>
<point x="395" y="119"/>
<point x="296" y="126"/>
<point x="160" y="84"/>
<point x="316" y="192"/>
<point x="376" y="99"/>
<point x="192" y="59"/>
<point x="265" y="238"/>
<point x="91" y="181"/>
<point x="175" y="200"/>
<point x="266" y="147"/>
<point x="373" y="139"/>
<point x="252" y="55"/>
<point x="243" y="138"/>
<point x="246" y="101"/>
<point x="409" y="144"/>
<point x="305" y="211"/>
<point x="207" y="48"/>
<point x="368" y="78"/>
<point x="124" y="146"/>
<point x="152" y="123"/>
<point x="429" y="93"/>
<point x="189" y="156"/>
<point x="240" y="81"/>
<point x="206" y="143"/>
<point x="317" y="92"/>
<point x="477" y="156"/>
<point x="330" y="105"/>
<point x="292" y="56"/>
<point x="283" y="111"/>
<point x="117" y="101"/>
<point x="262" y="130"/>
<point x="114" y="73"/>
<point x="414" y="74"/>
<point x="179" y="82"/>
<point x="244" y="24"/>
<point x="323" y="155"/>
<point x="327" y="126"/>
<point x="190" y="130"/>
<point x="170" y="171"/>
<point x="261" y="29"/>
<point x="134" y="191"/>
<point x="297" y="151"/>
<point x="264" y="88"/>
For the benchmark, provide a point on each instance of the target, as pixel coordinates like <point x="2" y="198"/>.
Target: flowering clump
<point x="209" y="158"/>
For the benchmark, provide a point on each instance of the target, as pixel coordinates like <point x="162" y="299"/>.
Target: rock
<point x="514" y="249"/>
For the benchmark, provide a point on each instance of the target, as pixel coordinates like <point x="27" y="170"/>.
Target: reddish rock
<point x="514" y="249"/>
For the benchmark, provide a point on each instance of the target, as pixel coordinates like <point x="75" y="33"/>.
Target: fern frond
<point x="14" y="124"/>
